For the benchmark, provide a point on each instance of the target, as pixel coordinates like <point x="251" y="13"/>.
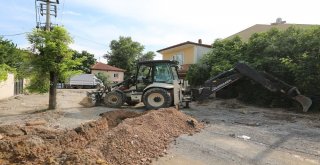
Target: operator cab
<point x="157" y="71"/>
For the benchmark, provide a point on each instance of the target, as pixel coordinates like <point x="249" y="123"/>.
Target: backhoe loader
<point x="157" y="85"/>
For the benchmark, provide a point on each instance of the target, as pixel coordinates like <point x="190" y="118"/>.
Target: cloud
<point x="158" y="24"/>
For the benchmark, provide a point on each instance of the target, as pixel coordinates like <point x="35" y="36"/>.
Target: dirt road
<point x="234" y="133"/>
<point x="239" y="134"/>
<point x="69" y="114"/>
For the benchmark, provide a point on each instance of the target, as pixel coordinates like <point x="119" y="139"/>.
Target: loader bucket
<point x="87" y="102"/>
<point x="306" y="102"/>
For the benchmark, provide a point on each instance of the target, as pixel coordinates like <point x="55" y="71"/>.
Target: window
<point x="144" y="73"/>
<point x="116" y="75"/>
<point x="178" y="57"/>
<point x="162" y="73"/>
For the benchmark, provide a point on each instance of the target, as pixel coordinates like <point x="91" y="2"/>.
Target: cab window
<point x="162" y="73"/>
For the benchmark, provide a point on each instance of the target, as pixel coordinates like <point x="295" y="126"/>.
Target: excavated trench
<point x="118" y="137"/>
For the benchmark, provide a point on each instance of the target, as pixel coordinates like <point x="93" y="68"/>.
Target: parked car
<point x="83" y="81"/>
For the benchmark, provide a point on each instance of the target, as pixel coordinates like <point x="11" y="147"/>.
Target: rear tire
<point x="156" y="98"/>
<point x="113" y="100"/>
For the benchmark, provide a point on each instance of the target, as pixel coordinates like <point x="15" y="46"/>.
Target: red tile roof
<point x="105" y="67"/>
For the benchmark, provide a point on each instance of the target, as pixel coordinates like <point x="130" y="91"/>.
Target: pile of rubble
<point x="118" y="137"/>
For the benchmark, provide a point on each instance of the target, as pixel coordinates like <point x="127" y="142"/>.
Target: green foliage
<point x="12" y="59"/>
<point x="292" y="55"/>
<point x="147" y="56"/>
<point x="4" y="70"/>
<point x="51" y="54"/>
<point x="87" y="60"/>
<point x="39" y="82"/>
<point x="105" y="79"/>
<point x="198" y="74"/>
<point x="224" y="52"/>
<point x="124" y="53"/>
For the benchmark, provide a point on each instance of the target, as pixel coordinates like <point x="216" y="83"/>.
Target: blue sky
<point x="154" y="23"/>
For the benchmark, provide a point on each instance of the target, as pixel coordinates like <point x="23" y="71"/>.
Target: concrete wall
<point x="7" y="87"/>
<point x="110" y="75"/>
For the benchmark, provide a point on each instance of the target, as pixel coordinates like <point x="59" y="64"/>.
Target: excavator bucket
<point x="306" y="102"/>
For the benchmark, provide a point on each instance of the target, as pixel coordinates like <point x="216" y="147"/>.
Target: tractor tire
<point x="156" y="98"/>
<point x="113" y="100"/>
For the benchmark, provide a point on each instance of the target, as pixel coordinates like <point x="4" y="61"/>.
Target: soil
<point x="132" y="138"/>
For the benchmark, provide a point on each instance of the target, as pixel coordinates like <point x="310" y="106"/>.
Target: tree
<point x="104" y="78"/>
<point x="12" y="59"/>
<point x="124" y="53"/>
<point x="147" y="56"/>
<point x="52" y="60"/>
<point x="87" y="60"/>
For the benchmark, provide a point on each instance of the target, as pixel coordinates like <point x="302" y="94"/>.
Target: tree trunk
<point x="53" y="90"/>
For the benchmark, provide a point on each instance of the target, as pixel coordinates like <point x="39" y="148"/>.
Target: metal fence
<point x="18" y="87"/>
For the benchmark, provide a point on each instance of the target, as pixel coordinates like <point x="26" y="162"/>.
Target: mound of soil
<point x="136" y="140"/>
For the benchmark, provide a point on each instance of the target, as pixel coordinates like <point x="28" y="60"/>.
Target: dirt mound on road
<point x="136" y="140"/>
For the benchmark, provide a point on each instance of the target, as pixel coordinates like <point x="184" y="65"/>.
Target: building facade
<point x="185" y="53"/>
<point x="114" y="74"/>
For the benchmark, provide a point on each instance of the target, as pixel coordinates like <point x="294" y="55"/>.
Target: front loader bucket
<point x="306" y="102"/>
<point x="87" y="102"/>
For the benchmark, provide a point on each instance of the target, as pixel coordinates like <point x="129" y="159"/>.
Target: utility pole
<point x="49" y="6"/>
<point x="48" y="16"/>
<point x="45" y="8"/>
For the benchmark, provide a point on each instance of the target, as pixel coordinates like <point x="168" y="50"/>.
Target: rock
<point x="36" y="122"/>
<point x="100" y="161"/>
<point x="1" y="136"/>
<point x="18" y="97"/>
<point x="244" y="137"/>
<point x="232" y="135"/>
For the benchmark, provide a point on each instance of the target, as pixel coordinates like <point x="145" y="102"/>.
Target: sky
<point x="156" y="24"/>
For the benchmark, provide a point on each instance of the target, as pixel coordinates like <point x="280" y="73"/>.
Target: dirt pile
<point x="136" y="140"/>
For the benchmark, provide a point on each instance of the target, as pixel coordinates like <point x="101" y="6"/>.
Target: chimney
<point x="278" y="22"/>
<point x="200" y="41"/>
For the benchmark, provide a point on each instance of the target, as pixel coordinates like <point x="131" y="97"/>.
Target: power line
<point x="17" y="34"/>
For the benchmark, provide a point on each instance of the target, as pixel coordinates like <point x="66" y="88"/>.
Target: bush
<point x="292" y="55"/>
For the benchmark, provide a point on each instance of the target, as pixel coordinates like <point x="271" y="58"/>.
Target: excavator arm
<point x="241" y="70"/>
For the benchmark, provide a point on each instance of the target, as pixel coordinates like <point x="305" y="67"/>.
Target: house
<point x="114" y="74"/>
<point x="11" y="87"/>
<point x="185" y="53"/>
<point x="259" y="28"/>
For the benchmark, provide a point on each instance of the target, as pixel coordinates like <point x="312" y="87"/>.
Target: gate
<point x="18" y="87"/>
